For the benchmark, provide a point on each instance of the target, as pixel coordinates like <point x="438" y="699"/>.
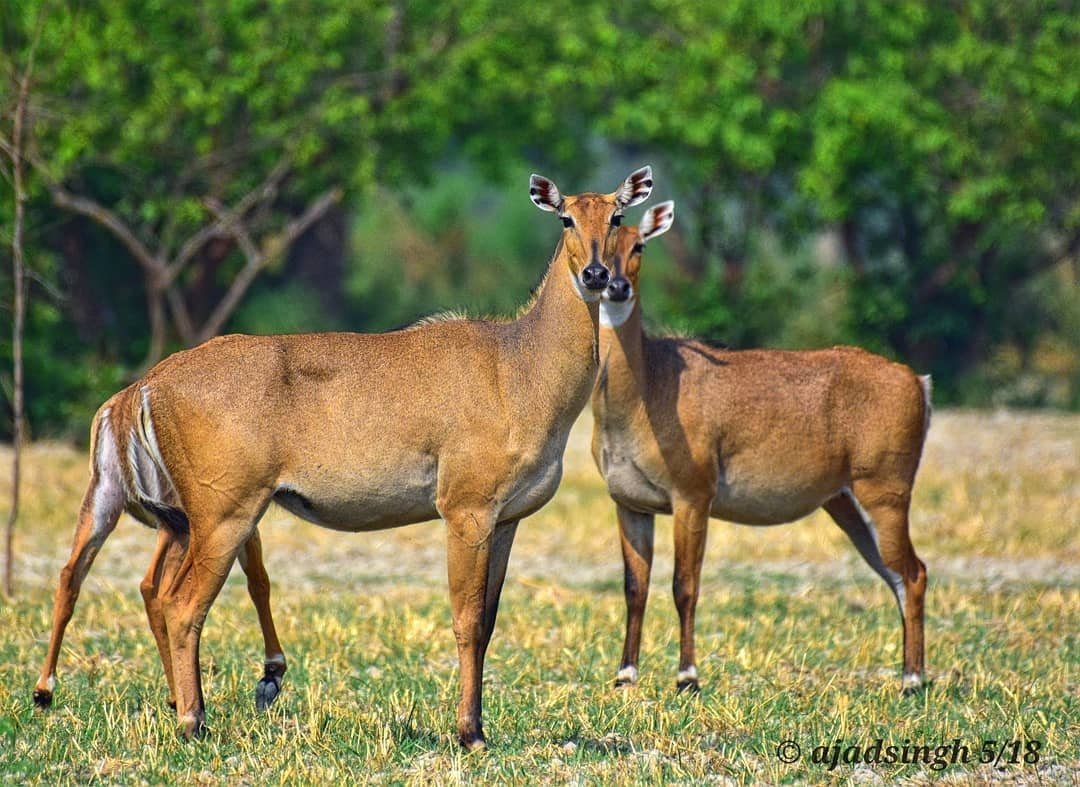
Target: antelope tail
<point x="146" y="478"/>
<point x="927" y="387"/>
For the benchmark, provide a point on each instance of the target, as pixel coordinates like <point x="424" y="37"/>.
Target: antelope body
<point x="463" y="419"/>
<point x="756" y="437"/>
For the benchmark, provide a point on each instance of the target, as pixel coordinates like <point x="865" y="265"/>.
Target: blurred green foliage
<point x="899" y="175"/>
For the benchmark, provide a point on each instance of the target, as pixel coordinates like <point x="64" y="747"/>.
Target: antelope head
<point x="621" y="292"/>
<point x="590" y="222"/>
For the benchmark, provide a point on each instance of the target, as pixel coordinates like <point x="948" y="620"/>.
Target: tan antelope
<point x="757" y="437"/>
<point x="461" y="419"/>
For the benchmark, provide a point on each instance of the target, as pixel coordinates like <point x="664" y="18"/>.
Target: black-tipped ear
<point x="635" y="189"/>
<point x="656" y="221"/>
<point x="545" y="194"/>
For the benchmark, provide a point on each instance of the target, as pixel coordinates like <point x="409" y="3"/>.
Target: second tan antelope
<point x="461" y="419"/>
<point x="757" y="437"/>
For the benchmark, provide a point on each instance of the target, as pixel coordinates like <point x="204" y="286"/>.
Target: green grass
<point x="797" y="640"/>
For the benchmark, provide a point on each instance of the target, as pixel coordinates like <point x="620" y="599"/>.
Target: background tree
<point x="897" y="175"/>
<point x="14" y="147"/>
<point x="931" y="141"/>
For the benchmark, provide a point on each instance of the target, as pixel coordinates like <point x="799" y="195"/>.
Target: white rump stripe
<point x="152" y="481"/>
<point x="109" y="491"/>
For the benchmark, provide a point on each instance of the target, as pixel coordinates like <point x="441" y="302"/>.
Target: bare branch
<point x="7" y="148"/>
<point x="161" y="272"/>
<point x="181" y="316"/>
<point x="156" y="311"/>
<point x="105" y="217"/>
<point x="257" y="258"/>
<point x="264" y="192"/>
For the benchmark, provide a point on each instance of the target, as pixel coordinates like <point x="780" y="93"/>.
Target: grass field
<point x="797" y="641"/>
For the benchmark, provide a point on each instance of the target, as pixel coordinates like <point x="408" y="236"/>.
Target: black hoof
<point x="266" y="692"/>
<point x="688" y="686"/>
<point x="42" y="698"/>
<point x="472" y="741"/>
<point x="914" y="691"/>
<point x="171" y="703"/>
<point x="270" y="686"/>
<point x="192" y="730"/>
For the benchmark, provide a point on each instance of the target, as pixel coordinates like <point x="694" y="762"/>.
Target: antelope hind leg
<point x="258" y="583"/>
<point x="188" y="593"/>
<point x="165" y="561"/>
<point x="101" y="507"/>
<point x="879" y="530"/>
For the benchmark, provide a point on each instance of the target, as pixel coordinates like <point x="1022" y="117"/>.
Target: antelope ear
<point x="635" y="189"/>
<point x="545" y="194"/>
<point x="656" y="221"/>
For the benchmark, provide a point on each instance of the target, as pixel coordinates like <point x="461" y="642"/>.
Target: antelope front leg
<point x="468" y="554"/>
<point x="691" y="527"/>
<point x="636" y="536"/>
<point x="258" y="583"/>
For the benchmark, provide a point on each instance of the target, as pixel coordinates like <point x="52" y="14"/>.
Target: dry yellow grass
<point x="797" y="638"/>
<point x="998" y="495"/>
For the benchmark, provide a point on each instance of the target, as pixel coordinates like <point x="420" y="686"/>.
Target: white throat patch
<point x="587" y="295"/>
<point x="615" y="313"/>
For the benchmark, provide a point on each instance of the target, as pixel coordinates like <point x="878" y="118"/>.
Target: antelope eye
<point x="638" y="248"/>
<point x="616" y="220"/>
<point x="567" y="221"/>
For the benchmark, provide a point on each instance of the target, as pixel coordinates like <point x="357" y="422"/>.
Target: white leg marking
<point x="278" y="659"/>
<point x="911" y="680"/>
<point x="627" y="675"/>
<point x="51" y="682"/>
<point x="690" y="673"/>
<point x="615" y="313"/>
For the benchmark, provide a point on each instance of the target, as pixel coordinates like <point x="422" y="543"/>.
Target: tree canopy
<point x="900" y="175"/>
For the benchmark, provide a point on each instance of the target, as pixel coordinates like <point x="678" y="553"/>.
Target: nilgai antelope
<point x="757" y="437"/>
<point x="462" y="419"/>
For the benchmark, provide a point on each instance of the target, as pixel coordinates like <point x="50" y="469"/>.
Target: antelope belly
<point x="375" y="500"/>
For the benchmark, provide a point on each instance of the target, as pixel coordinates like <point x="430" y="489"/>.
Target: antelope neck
<point x="623" y="376"/>
<point x="556" y="336"/>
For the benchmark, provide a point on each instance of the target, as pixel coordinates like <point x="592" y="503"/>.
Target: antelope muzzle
<point x="595" y="276"/>
<point x="619" y="289"/>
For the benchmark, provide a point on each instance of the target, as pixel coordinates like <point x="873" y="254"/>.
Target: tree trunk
<point x="19" y="321"/>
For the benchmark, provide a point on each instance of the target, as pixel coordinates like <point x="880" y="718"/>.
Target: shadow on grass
<point x="608" y="745"/>
<point x="406" y="733"/>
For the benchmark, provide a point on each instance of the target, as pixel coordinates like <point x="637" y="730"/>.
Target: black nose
<point x="595" y="276"/>
<point x="618" y="289"/>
